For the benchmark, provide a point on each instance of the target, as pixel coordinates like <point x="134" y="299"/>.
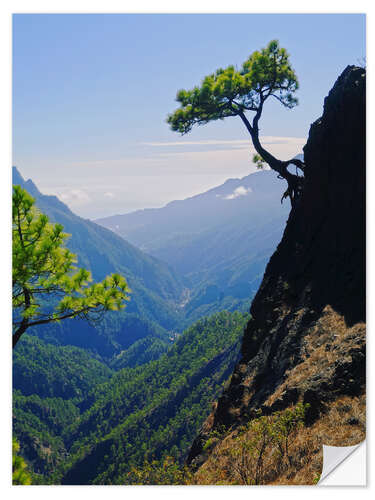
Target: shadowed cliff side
<point x="306" y="339"/>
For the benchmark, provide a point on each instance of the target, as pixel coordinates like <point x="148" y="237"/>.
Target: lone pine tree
<point x="230" y="92"/>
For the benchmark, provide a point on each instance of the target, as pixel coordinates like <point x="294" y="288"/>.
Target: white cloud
<point x="75" y="197"/>
<point x="212" y="142"/>
<point x="240" y="191"/>
<point x="235" y="142"/>
<point x="283" y="147"/>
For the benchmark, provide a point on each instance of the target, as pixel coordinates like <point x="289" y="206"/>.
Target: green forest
<point x="80" y="421"/>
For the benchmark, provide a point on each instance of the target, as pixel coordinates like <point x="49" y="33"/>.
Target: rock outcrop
<point x="306" y="339"/>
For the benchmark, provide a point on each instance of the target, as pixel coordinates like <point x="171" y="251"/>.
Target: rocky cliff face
<point x="306" y="339"/>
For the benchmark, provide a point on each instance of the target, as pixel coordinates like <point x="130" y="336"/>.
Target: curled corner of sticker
<point x="344" y="465"/>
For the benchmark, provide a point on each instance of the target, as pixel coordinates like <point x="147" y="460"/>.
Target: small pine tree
<point x="44" y="269"/>
<point x="20" y="474"/>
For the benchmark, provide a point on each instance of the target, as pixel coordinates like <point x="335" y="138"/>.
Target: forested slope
<point x="155" y="409"/>
<point x="92" y="425"/>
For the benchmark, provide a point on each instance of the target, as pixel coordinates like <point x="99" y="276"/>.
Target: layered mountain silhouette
<point x="219" y="241"/>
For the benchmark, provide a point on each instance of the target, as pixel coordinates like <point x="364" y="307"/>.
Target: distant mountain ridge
<point x="219" y="241"/>
<point x="228" y="200"/>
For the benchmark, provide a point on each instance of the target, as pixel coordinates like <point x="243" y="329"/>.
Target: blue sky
<point x="91" y="94"/>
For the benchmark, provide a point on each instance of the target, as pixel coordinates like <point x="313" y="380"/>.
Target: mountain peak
<point x="30" y="187"/>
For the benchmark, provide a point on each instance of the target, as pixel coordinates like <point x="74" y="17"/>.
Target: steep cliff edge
<point x="306" y="339"/>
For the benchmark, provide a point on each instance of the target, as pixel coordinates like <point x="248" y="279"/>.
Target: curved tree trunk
<point x="17" y="335"/>
<point x="295" y="182"/>
<point x="25" y="322"/>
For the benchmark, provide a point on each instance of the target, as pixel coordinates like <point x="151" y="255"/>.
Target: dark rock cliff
<point x="306" y="339"/>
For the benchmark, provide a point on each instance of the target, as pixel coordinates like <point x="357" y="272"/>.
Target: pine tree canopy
<point x="47" y="286"/>
<point x="230" y="92"/>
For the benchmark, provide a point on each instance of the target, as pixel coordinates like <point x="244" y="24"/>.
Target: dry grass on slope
<point x="343" y="425"/>
<point x="330" y="369"/>
<point x="231" y="461"/>
<point x="328" y="343"/>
